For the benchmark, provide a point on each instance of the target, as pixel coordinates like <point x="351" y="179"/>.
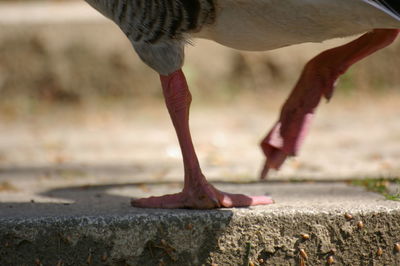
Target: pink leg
<point x="197" y="192"/>
<point x="317" y="80"/>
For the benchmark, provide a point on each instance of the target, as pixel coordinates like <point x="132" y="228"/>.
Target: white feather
<point x="269" y="24"/>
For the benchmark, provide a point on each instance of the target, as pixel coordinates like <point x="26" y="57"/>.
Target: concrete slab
<point x="77" y="225"/>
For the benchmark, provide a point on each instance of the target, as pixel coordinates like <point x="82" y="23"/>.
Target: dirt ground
<point x="357" y="137"/>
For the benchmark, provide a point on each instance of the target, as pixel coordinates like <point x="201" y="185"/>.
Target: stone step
<point x="310" y="223"/>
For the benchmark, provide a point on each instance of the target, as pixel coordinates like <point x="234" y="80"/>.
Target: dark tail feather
<point x="392" y="7"/>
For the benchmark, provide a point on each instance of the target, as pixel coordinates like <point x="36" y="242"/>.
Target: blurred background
<point x="74" y="96"/>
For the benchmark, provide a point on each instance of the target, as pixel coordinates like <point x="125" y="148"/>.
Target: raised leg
<point x="317" y="80"/>
<point x="197" y="192"/>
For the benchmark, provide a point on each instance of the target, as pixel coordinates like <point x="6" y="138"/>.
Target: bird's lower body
<point x="285" y="138"/>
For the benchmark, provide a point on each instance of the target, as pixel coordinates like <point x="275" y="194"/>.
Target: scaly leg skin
<point x="197" y="192"/>
<point x="317" y="80"/>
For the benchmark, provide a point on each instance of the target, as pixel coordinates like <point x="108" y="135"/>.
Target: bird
<point x="159" y="31"/>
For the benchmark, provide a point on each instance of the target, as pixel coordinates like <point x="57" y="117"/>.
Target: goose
<point x="159" y="30"/>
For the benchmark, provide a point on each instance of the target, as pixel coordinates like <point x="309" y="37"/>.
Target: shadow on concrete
<point x="106" y="230"/>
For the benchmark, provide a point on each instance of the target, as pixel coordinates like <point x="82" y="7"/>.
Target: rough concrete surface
<point x="100" y="228"/>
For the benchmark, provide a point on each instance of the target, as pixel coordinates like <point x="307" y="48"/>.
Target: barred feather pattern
<point x="149" y="21"/>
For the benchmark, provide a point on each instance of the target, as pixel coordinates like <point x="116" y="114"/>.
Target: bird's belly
<point x="258" y="25"/>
